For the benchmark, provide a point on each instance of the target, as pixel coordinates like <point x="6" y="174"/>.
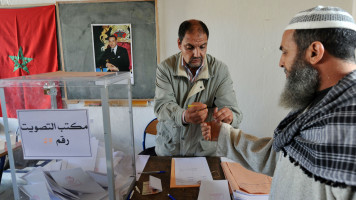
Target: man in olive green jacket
<point x="192" y="77"/>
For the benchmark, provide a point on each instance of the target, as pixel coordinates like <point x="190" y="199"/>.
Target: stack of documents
<point x="189" y="172"/>
<point x="64" y="184"/>
<point x="246" y="183"/>
<point x="80" y="177"/>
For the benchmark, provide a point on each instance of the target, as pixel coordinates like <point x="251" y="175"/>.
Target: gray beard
<point x="301" y="86"/>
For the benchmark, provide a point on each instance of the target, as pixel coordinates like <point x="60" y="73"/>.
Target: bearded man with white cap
<point x="313" y="152"/>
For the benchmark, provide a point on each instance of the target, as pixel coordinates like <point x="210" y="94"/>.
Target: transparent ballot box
<point x="71" y="132"/>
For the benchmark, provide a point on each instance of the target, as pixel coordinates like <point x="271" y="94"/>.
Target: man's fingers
<point x="206" y="131"/>
<point x="197" y="108"/>
<point x="215" y="110"/>
<point x="224" y="115"/>
<point x="198" y="116"/>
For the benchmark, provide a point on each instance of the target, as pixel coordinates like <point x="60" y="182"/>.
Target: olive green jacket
<point x="174" y="92"/>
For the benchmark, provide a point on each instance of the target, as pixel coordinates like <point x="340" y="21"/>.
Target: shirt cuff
<point x="183" y="118"/>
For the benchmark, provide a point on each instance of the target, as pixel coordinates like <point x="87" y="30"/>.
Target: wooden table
<point x="163" y="163"/>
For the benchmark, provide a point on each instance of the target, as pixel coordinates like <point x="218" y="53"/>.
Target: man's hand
<point x="112" y="67"/>
<point x="196" y="114"/>
<point x="224" y="115"/>
<point x="210" y="130"/>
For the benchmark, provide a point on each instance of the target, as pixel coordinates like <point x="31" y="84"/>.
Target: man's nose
<point x="281" y="62"/>
<point x="196" y="52"/>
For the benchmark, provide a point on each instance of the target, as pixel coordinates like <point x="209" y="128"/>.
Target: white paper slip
<point x="77" y="180"/>
<point x="100" y="178"/>
<point x="86" y="163"/>
<point x="141" y="161"/>
<point x="36" y="176"/>
<point x="155" y="183"/>
<point x="53" y="166"/>
<point x="191" y="171"/>
<point x="214" y="190"/>
<point x="100" y="164"/>
<point x="60" y="191"/>
<point x="239" y="195"/>
<point x="36" y="191"/>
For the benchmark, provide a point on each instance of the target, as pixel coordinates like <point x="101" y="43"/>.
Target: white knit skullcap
<point x="322" y="17"/>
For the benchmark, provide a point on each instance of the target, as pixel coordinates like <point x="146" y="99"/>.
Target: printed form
<point x="191" y="171"/>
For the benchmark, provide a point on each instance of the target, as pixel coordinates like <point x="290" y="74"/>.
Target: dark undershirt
<point x="319" y="96"/>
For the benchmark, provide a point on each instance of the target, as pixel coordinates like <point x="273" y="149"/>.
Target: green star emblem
<point x="20" y="61"/>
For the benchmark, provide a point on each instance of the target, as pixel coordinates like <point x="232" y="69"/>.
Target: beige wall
<point x="245" y="35"/>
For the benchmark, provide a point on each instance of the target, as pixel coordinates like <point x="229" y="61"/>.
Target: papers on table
<point x="212" y="190"/>
<point x="153" y="186"/>
<point x="239" y="195"/>
<point x="141" y="161"/>
<point x="189" y="172"/>
<point x="246" y="184"/>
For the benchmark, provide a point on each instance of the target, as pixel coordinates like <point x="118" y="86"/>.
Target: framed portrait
<point x="112" y="48"/>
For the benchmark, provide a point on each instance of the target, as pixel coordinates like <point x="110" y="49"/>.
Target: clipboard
<point x="173" y="178"/>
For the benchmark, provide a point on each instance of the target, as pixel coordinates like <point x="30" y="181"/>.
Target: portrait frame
<point x="104" y="38"/>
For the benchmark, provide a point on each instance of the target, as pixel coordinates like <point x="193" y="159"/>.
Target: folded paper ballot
<point x="153" y="186"/>
<point x="246" y="180"/>
<point x="36" y="191"/>
<point x="76" y="180"/>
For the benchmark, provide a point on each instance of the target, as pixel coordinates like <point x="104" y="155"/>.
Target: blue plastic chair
<point x="150" y="129"/>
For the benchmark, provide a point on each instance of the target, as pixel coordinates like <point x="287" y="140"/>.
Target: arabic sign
<point x="52" y="134"/>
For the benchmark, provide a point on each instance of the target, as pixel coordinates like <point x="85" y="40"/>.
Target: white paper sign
<point x="54" y="134"/>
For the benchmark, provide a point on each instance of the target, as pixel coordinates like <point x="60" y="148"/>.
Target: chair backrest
<point x="150" y="129"/>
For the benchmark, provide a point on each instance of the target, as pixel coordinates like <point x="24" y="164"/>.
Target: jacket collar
<point x="203" y="74"/>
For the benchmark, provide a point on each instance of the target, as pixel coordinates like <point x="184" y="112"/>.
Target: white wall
<point x="246" y="36"/>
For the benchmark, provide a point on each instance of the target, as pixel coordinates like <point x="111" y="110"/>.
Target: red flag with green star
<point x="28" y="39"/>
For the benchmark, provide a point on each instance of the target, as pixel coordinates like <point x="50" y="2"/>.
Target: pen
<point x="170" y="196"/>
<point x="131" y="194"/>
<point x="152" y="172"/>
<point x="189" y="106"/>
<point x="138" y="190"/>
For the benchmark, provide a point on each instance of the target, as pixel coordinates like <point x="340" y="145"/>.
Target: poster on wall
<point x="112" y="48"/>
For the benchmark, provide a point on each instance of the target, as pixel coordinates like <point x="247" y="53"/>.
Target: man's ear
<point x="315" y="52"/>
<point x="179" y="44"/>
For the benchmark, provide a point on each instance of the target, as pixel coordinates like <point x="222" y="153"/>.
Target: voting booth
<point x="91" y="151"/>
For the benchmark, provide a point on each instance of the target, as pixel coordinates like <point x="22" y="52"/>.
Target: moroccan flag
<point x="28" y="46"/>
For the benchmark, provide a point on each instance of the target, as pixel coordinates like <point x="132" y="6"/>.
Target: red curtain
<point x="28" y="40"/>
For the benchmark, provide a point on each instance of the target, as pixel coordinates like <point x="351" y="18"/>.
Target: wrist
<point x="183" y="118"/>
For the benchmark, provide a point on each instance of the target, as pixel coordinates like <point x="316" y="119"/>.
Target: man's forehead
<point x="195" y="38"/>
<point x="288" y="39"/>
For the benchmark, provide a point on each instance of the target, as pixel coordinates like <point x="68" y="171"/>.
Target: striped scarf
<point x="322" y="140"/>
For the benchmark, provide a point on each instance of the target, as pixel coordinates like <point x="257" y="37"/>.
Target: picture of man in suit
<point x="115" y="58"/>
